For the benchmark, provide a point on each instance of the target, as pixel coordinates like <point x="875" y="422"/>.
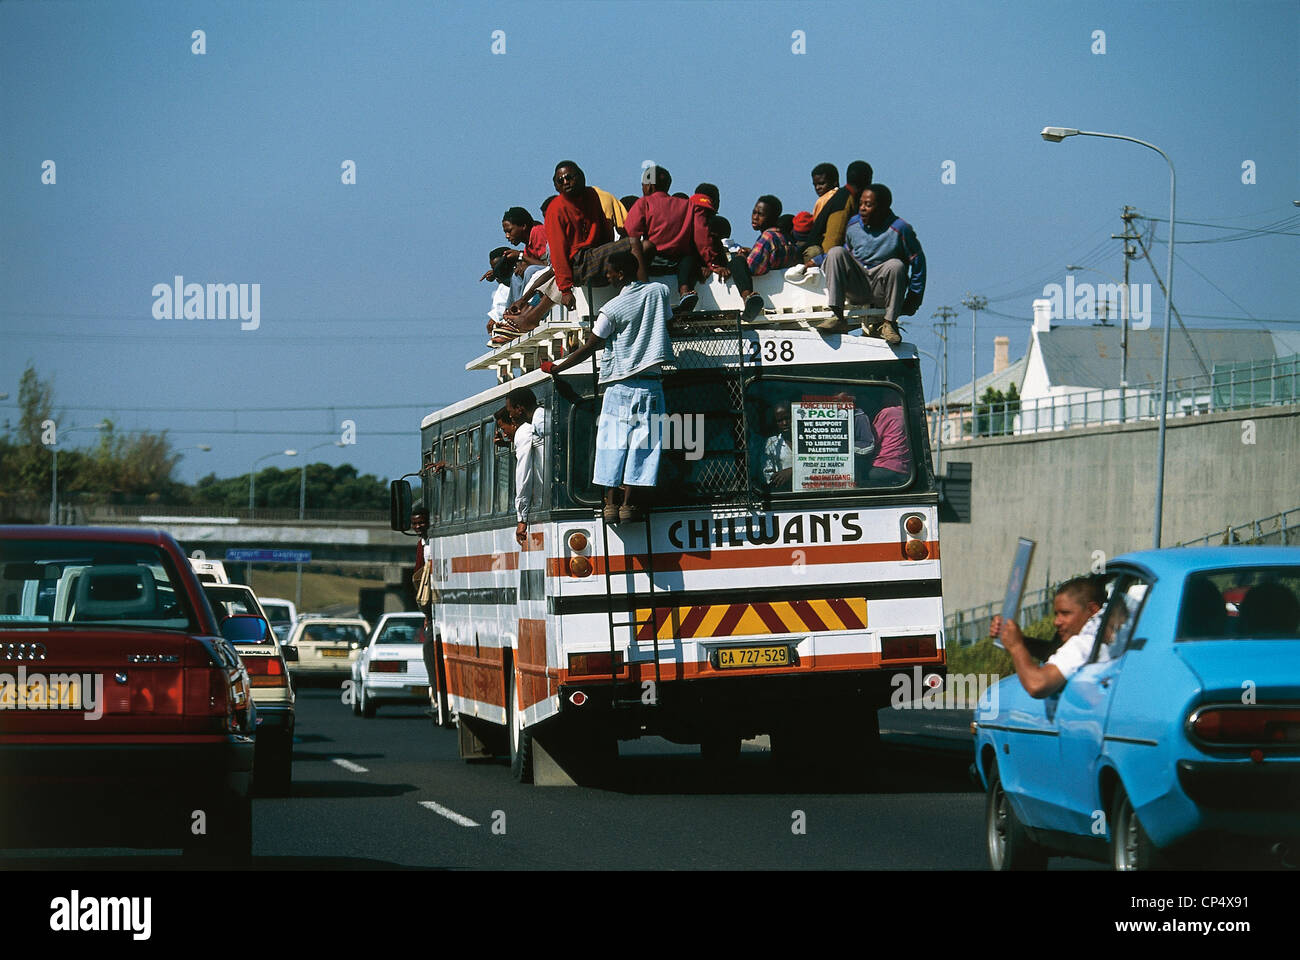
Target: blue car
<point x="1182" y="746"/>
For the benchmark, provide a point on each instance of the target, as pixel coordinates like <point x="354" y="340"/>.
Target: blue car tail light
<point x="1246" y="726"/>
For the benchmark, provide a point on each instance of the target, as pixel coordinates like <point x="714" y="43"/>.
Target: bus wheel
<point x="521" y="741"/>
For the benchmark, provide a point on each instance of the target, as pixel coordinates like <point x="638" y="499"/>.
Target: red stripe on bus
<point x="770" y="618"/>
<point x="729" y="619"/>
<point x="808" y="615"/>
<point x="485" y="562"/>
<point x="741" y="558"/>
<point x="845" y="613"/>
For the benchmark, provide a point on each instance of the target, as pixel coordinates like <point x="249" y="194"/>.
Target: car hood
<point x="1228" y="665"/>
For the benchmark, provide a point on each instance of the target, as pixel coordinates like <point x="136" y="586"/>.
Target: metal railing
<point x="1234" y="386"/>
<point x="969" y="626"/>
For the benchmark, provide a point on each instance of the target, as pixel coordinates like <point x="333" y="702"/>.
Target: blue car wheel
<point x="1130" y="847"/>
<point x="1009" y="845"/>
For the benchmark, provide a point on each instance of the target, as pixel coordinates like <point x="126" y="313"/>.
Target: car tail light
<point x="1246" y="726"/>
<point x="908" y="648"/>
<point x="266" y="671"/>
<point x="592" y="664"/>
<point x="387" y="666"/>
<point x="147" y="693"/>
<point x="914" y="545"/>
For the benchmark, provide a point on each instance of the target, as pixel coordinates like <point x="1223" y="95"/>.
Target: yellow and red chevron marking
<point x="753" y="619"/>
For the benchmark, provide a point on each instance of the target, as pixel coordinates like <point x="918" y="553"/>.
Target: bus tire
<point x="720" y="749"/>
<point x="520" y="740"/>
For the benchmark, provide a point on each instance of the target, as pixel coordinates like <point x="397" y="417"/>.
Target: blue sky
<point x="226" y="167"/>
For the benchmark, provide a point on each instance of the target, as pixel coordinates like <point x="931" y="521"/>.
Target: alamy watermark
<point x="671" y="431"/>
<point x="1083" y="301"/>
<point x="179" y="300"/>
<point x="958" y="691"/>
<point x="55" y="691"/>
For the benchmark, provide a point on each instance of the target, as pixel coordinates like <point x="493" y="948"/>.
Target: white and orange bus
<point x="783" y="576"/>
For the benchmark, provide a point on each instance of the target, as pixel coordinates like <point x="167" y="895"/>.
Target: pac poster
<point x="823" y="444"/>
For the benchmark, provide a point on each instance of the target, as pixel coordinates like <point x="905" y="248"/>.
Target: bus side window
<point x="449" y="479"/>
<point x="487" y="462"/>
<point x="462" y="468"/>
<point x="504" y="472"/>
<point x="471" y="473"/>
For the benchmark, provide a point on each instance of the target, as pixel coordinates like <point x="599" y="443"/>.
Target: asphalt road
<point x="392" y="793"/>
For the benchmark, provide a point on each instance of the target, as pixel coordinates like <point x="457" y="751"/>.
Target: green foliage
<point x="984" y="657"/>
<point x="328" y="488"/>
<point x="995" y="414"/>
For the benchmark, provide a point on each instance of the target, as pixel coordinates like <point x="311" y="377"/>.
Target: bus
<point x="786" y="571"/>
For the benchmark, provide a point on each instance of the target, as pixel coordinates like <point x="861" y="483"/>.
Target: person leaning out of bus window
<point x="1077" y="608"/>
<point x="633" y="330"/>
<point x="528" y="470"/>
<point x="892" y="464"/>
<point x="778" y="456"/>
<point x="881" y="264"/>
<point x="420" y="526"/>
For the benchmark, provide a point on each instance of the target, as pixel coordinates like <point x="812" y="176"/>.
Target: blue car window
<point x="1120" y="617"/>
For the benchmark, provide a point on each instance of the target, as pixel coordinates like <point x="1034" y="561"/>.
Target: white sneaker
<point x="796" y="273"/>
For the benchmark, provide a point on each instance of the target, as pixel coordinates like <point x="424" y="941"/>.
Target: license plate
<point x="40" y="696"/>
<point x="333" y="653"/>
<point x="734" y="658"/>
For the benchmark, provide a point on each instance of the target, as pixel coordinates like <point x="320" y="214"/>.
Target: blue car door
<point x="1085" y="703"/>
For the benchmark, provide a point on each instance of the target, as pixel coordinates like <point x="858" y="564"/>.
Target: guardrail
<point x="1236" y="386"/>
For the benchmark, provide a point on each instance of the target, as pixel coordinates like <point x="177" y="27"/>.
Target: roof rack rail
<point x="793" y="305"/>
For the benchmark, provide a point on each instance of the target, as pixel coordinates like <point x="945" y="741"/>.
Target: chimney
<point x="1043" y="316"/>
<point x="1000" y="347"/>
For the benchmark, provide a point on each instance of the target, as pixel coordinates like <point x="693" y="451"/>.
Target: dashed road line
<point x="451" y="815"/>
<point x="350" y="766"/>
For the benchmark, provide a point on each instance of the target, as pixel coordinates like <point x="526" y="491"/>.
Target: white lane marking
<point x="451" y="815"/>
<point x="350" y="766"/>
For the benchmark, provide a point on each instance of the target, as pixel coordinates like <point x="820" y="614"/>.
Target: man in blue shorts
<point x="633" y="330"/>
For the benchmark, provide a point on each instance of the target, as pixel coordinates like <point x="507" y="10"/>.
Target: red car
<point x="126" y="718"/>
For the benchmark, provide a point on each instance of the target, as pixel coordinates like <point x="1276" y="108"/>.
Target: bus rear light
<point x="914" y="545"/>
<point x="579" y="567"/>
<point x="908" y="648"/>
<point x="577" y="541"/>
<point x="916" y="550"/>
<point x="577" y="698"/>
<point x="914" y="524"/>
<point x="1246" y="726"/>
<point x="594" y="664"/>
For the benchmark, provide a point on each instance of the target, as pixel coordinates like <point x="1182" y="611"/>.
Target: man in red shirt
<point x="674" y="233"/>
<point x="581" y="240"/>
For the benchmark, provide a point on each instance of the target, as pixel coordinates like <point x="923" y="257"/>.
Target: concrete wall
<point x="1080" y="491"/>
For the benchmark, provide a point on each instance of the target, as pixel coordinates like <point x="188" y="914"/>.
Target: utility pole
<point x="976" y="303"/>
<point x="1128" y="215"/>
<point x="944" y="312"/>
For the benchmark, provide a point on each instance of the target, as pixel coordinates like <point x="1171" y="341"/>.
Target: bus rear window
<point x="809" y="437"/>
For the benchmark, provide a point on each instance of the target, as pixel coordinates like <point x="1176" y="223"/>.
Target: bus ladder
<point x="631" y="623"/>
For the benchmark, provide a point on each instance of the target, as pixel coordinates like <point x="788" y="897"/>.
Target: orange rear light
<point x="916" y="550"/>
<point x="592" y="664"/>
<point x="914" y="524"/>
<point x="579" y="567"/>
<point x="577" y="541"/>
<point x="908" y="648"/>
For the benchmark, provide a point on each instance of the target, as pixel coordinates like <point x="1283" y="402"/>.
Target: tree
<point x="995" y="414"/>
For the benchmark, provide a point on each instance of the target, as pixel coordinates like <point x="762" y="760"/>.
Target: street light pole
<point x="976" y="304"/>
<point x="252" y="474"/>
<point x="1056" y="135"/>
<point x="54" y="477"/>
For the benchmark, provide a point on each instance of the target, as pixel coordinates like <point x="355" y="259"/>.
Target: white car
<point x="327" y="646"/>
<point x="283" y="614"/>
<point x="391" y="668"/>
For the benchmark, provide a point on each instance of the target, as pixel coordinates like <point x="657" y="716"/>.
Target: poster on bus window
<point x="823" y="448"/>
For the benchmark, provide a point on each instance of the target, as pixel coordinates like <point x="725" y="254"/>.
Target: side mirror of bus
<point x="399" y="506"/>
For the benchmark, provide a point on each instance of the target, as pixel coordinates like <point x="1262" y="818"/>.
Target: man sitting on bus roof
<point x="580" y="239"/>
<point x="771" y="251"/>
<point x="633" y="330"/>
<point x="673" y="235"/>
<point x="881" y="264"/>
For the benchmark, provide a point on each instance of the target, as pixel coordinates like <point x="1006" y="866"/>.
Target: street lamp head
<point x="205" y="447"/>
<point x="291" y="453"/>
<point x="1057" y="134"/>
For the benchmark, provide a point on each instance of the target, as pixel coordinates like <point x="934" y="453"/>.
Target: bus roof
<point x="811" y="347"/>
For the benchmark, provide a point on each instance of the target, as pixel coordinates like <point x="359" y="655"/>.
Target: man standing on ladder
<point x="633" y="330"/>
